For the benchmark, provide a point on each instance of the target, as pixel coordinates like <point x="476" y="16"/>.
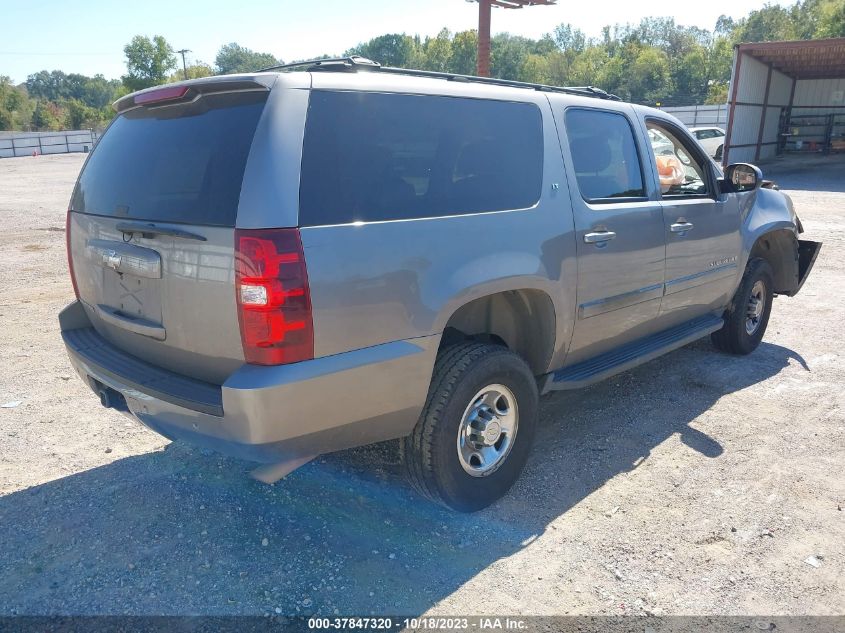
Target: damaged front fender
<point x="771" y="230"/>
<point x="807" y="253"/>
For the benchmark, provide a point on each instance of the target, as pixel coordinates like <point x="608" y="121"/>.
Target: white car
<point x="712" y="139"/>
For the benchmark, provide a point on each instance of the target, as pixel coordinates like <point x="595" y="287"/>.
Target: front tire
<point x="747" y="316"/>
<point x="476" y="430"/>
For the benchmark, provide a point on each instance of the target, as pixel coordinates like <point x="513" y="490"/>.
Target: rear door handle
<point x="599" y="237"/>
<point x="681" y="226"/>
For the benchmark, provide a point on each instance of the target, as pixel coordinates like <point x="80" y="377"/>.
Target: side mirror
<point x="741" y="177"/>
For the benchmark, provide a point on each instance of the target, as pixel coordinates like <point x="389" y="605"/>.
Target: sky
<point x="88" y="36"/>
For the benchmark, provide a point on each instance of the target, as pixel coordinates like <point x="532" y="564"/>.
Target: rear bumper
<point x="266" y="414"/>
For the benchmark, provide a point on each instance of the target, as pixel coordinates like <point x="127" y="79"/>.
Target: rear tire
<point x="718" y="154"/>
<point x="476" y="430"/>
<point x="747" y="316"/>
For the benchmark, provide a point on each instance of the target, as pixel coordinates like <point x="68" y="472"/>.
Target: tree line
<point x="654" y="62"/>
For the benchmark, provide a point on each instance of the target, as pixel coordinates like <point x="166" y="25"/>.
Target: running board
<point x="629" y="356"/>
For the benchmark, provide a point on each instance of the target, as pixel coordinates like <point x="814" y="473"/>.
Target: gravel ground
<point x="697" y="484"/>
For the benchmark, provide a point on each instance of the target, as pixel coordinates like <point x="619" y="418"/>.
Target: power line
<point x="63" y="54"/>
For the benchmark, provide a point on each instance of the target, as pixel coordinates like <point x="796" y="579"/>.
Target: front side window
<point x="680" y="167"/>
<point x="375" y="156"/>
<point x="604" y="154"/>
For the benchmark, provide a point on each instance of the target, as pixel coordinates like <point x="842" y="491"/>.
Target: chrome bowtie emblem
<point x="111" y="259"/>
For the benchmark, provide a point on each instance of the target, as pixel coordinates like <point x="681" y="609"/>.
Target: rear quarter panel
<point x="377" y="282"/>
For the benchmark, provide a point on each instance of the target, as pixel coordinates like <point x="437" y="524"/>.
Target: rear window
<point x="604" y="153"/>
<point x="177" y="163"/>
<point x="374" y="156"/>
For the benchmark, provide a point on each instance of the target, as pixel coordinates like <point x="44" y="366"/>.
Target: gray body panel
<point x="383" y="293"/>
<point x="183" y="317"/>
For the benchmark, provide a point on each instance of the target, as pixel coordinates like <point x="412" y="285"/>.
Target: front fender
<point x="770" y="229"/>
<point x="764" y="211"/>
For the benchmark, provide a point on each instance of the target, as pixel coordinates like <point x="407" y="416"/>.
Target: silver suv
<point x="282" y="264"/>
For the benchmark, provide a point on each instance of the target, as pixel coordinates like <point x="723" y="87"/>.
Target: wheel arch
<point x="779" y="247"/>
<point x="522" y="319"/>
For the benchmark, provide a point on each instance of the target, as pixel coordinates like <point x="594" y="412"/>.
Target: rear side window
<point x="374" y="156"/>
<point x="177" y="163"/>
<point x="604" y="153"/>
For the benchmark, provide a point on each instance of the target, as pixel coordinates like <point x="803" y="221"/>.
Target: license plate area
<point x="132" y="296"/>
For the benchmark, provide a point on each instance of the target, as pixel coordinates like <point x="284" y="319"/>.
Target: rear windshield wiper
<point x="148" y="230"/>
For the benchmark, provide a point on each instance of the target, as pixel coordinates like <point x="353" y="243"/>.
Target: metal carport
<point x="786" y="97"/>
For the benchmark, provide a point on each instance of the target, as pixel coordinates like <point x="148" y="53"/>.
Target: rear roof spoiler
<point x="194" y="87"/>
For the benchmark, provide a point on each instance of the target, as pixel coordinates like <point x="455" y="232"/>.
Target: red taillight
<point x="162" y="94"/>
<point x="70" y="255"/>
<point x="274" y="304"/>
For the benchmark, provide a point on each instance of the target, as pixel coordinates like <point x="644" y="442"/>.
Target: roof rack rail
<point x="584" y="91"/>
<point x="329" y="63"/>
<point x="356" y="62"/>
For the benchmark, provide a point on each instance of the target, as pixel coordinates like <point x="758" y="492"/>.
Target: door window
<point x="604" y="154"/>
<point x="681" y="167"/>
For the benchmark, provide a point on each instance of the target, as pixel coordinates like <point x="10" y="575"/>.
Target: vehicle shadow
<point x="181" y="531"/>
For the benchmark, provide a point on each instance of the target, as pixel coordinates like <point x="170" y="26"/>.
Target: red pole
<point x="483" y="38"/>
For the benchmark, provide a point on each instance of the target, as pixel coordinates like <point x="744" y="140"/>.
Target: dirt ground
<point x="697" y="484"/>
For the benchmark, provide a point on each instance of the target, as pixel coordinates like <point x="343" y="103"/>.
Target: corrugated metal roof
<point x="802" y="59"/>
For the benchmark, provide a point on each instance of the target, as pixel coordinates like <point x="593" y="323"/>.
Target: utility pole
<point x="184" y="65"/>
<point x="484" y="7"/>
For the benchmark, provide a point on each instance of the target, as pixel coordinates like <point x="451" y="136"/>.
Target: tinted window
<point x="682" y="169"/>
<point x="369" y="157"/>
<point x="180" y="163"/>
<point x="604" y="154"/>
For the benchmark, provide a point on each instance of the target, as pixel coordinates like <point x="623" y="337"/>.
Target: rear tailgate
<point x="152" y="229"/>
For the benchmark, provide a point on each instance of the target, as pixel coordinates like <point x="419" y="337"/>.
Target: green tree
<point x="649" y="79"/>
<point x="393" y="49"/>
<point x="536" y="69"/>
<point x="437" y="52"/>
<point x="585" y="68"/>
<point x="690" y="74"/>
<point x="47" y="85"/>
<point x="831" y="19"/>
<point x="49" y="116"/>
<point x="569" y="38"/>
<point x="96" y="91"/>
<point x="508" y="53"/>
<point x="717" y="94"/>
<point x="234" y="58"/>
<point x="15" y="106"/>
<point x="148" y="62"/>
<point x="464" y="53"/>
<point x="81" y="116"/>
<point x="770" y="23"/>
<point x="194" y="71"/>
